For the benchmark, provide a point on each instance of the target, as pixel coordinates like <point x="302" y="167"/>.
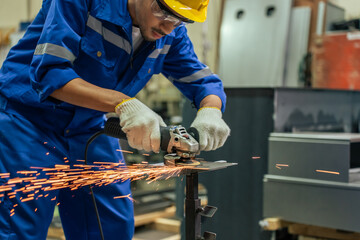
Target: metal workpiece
<point x="206" y="166"/>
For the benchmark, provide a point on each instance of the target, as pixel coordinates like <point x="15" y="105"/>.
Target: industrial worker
<point x="78" y="60"/>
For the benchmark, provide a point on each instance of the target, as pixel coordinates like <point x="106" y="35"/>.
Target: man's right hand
<point x="141" y="125"/>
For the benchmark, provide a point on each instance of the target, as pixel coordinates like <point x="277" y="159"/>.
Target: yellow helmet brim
<point x="196" y="15"/>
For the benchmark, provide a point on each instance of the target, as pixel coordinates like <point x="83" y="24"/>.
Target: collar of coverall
<point x="167" y="9"/>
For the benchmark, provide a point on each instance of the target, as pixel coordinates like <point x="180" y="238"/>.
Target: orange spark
<point x="27" y="172"/>
<point x="124" y="151"/>
<point x="74" y="177"/>
<point x="278" y="165"/>
<point x="126" y="196"/>
<point x="331" y="172"/>
<point x="61" y="166"/>
<point x="4" y="175"/>
<point x="256" y="157"/>
<point x="27" y="199"/>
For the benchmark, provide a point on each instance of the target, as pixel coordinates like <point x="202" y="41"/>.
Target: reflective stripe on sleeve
<point x="108" y="35"/>
<point x="159" y="51"/>
<point x="54" y="50"/>
<point x="195" y="76"/>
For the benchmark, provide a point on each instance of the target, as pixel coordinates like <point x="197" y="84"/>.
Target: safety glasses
<point x="160" y="11"/>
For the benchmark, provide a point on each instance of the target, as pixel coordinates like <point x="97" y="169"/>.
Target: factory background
<point x="291" y="71"/>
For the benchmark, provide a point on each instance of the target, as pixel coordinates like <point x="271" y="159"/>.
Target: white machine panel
<point x="253" y="43"/>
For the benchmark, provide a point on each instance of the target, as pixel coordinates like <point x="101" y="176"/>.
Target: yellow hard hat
<point x="194" y="10"/>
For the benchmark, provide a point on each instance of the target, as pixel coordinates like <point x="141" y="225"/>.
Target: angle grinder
<point x="181" y="145"/>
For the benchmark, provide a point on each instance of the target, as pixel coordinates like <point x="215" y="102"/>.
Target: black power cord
<point x="91" y="139"/>
<point x="112" y="128"/>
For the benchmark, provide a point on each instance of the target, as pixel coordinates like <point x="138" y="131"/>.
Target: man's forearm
<point x="211" y="101"/>
<point x="81" y="93"/>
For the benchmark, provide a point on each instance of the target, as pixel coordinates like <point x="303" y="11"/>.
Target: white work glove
<point x="141" y="125"/>
<point x="213" y="131"/>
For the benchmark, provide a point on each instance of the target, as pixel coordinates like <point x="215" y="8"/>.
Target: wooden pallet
<point x="148" y="218"/>
<point x="273" y="224"/>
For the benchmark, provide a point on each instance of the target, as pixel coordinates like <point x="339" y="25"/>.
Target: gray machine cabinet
<point x="309" y="155"/>
<point x="311" y="180"/>
<point x="313" y="202"/>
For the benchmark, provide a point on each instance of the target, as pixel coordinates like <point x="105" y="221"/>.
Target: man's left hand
<point x="213" y="131"/>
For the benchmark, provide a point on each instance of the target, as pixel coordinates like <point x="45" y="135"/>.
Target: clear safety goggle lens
<point x="163" y="15"/>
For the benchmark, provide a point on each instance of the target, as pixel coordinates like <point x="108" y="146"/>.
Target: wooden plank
<point x="56" y="233"/>
<point x="166" y="224"/>
<point x="151" y="217"/>
<point x="175" y="237"/>
<point x="310" y="238"/>
<point x="315" y="231"/>
<point x="273" y="224"/>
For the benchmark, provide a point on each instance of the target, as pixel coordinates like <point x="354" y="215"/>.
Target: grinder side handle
<point x="113" y="129"/>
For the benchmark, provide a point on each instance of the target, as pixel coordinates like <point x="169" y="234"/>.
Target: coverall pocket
<point x="98" y="49"/>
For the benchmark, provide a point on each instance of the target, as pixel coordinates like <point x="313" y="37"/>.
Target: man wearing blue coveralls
<point x="78" y="60"/>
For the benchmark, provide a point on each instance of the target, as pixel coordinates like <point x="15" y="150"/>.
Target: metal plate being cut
<point x="205" y="166"/>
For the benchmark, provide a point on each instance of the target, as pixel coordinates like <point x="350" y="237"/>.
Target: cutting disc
<point x="187" y="162"/>
<point x="173" y="159"/>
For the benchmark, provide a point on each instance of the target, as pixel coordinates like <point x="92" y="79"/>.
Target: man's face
<point x="151" y="26"/>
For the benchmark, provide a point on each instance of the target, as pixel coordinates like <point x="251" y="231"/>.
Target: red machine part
<point x="336" y="61"/>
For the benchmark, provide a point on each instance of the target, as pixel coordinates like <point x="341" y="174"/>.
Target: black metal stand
<point x="194" y="211"/>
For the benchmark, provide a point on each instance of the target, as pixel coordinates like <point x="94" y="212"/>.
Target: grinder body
<point x="180" y="144"/>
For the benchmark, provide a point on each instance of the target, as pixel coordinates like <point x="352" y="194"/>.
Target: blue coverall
<point x="88" y="39"/>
